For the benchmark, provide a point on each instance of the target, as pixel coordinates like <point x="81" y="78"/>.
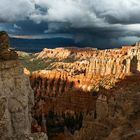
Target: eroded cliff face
<point x="109" y="114"/>
<point x="92" y="61"/>
<point x="90" y="67"/>
<point x="16" y="99"/>
<point x="74" y="96"/>
<point x="117" y="111"/>
<point x="79" y="89"/>
<point x="16" y="96"/>
<point x="59" y="104"/>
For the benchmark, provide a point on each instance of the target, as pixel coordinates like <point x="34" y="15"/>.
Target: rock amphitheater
<point x="89" y="88"/>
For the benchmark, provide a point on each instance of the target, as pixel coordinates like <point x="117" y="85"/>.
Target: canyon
<point x="87" y="93"/>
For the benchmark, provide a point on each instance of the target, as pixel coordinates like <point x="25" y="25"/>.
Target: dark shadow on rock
<point x="133" y="66"/>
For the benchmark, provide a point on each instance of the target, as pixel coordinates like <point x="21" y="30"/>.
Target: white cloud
<point x="77" y="13"/>
<point x="118" y="10"/>
<point x="89" y="13"/>
<point x="13" y="10"/>
<point x="133" y="27"/>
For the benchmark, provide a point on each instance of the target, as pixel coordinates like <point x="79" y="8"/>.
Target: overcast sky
<point x="97" y="22"/>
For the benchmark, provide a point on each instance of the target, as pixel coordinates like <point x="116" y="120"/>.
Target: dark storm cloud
<point x="90" y="22"/>
<point x="89" y="13"/>
<point x="30" y="27"/>
<point x="79" y="13"/>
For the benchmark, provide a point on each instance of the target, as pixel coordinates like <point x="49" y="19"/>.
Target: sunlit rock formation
<point x="117" y="113"/>
<point x="82" y="82"/>
<point x="99" y="62"/>
<point x="87" y="68"/>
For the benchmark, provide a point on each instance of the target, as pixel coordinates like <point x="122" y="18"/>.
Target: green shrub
<point x="32" y="64"/>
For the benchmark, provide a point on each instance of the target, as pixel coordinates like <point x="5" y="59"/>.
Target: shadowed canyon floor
<point x="106" y="114"/>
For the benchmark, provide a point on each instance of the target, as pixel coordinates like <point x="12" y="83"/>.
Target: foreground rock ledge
<point x="16" y="97"/>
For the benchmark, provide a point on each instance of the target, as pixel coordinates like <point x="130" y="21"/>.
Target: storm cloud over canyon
<point x="95" y="23"/>
<point x="69" y="70"/>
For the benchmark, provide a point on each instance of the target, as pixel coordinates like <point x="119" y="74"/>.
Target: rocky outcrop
<point x="16" y="97"/>
<point x="5" y="52"/>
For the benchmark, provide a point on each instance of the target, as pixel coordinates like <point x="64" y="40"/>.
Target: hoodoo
<point x="5" y="52"/>
<point x="85" y="93"/>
